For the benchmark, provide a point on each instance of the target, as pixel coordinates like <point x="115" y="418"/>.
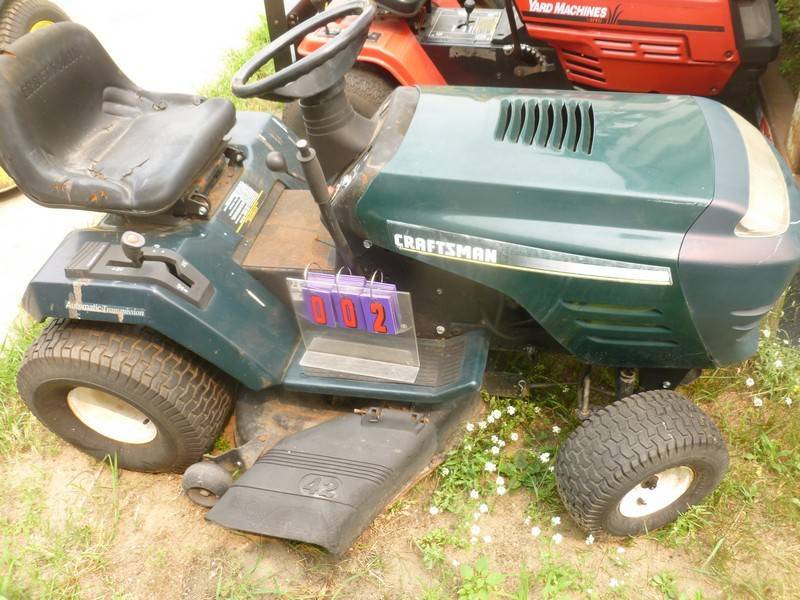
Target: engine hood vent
<point x="547" y="123"/>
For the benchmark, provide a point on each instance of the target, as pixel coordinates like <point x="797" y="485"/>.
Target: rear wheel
<point x="124" y="391"/>
<point x="365" y="88"/>
<point x="637" y="464"/>
<point x="23" y="16"/>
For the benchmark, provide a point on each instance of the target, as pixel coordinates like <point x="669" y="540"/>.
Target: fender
<point x="237" y="325"/>
<point x="234" y="332"/>
<point x="393" y="48"/>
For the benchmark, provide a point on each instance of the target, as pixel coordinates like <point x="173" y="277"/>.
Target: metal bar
<point x="277" y="26"/>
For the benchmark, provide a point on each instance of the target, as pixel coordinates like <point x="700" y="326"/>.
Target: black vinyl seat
<point x="75" y="132"/>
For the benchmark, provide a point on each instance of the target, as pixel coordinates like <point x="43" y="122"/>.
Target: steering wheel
<point x="315" y="73"/>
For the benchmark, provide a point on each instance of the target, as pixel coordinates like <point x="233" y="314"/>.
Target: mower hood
<point x="510" y="167"/>
<point x="604" y="215"/>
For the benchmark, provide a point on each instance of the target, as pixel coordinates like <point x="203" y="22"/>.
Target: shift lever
<point x="315" y="179"/>
<point x="469" y="6"/>
<point x="132" y="244"/>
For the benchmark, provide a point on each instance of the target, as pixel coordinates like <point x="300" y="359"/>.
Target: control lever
<point x="132" y="244"/>
<point x="276" y="162"/>
<point x="469" y="6"/>
<point x="315" y="179"/>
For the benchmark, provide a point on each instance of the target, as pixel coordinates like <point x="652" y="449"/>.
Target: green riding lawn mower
<point x="340" y="294"/>
<point x="18" y="17"/>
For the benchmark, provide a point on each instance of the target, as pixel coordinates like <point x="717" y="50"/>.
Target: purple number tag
<point x="319" y="305"/>
<point x="349" y="313"/>
<point x="379" y="302"/>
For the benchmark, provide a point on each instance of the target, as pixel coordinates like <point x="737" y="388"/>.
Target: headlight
<point x="768" y="204"/>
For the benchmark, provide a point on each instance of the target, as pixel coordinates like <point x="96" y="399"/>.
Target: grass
<point x="19" y="430"/>
<point x="256" y="39"/>
<point x="790" y="52"/>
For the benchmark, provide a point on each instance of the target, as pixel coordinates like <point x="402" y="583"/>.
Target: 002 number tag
<point x="349" y="310"/>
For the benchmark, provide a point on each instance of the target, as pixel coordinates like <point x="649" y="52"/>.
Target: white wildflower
<point x="484" y="508"/>
<point x="475" y="529"/>
<point x="500" y="480"/>
<point x="501" y="443"/>
<point x="620" y="550"/>
<point x="434" y="510"/>
<point x="557" y="538"/>
<point x="537" y="410"/>
<point x="474" y="494"/>
<point x="487" y="539"/>
<point x="749" y="382"/>
<point x="555" y="521"/>
<point x="501" y="490"/>
<point x="490" y="419"/>
<point x="511" y="410"/>
<point x="482" y="425"/>
<point x="445" y="471"/>
<point x="496" y="414"/>
<point x="495" y="450"/>
<point x="456" y="564"/>
<point x="779" y="364"/>
<point x="536" y="531"/>
<point x="470" y="427"/>
<point x="527" y="520"/>
<point x="766" y="333"/>
<point x="556" y="429"/>
<point x="758" y="402"/>
<point x="514" y="436"/>
<point x="589" y="540"/>
<point x="788" y="401"/>
<point x="490" y="466"/>
<point x="613" y="583"/>
<point x="544" y="457"/>
<point x="551" y="468"/>
<point x="495" y="439"/>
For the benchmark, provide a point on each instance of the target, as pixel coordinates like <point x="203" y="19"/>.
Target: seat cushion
<point x="76" y="133"/>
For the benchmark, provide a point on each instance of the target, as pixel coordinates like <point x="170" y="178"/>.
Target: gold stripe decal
<point x="506" y="255"/>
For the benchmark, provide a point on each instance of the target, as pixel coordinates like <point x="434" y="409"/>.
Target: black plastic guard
<point x="326" y="484"/>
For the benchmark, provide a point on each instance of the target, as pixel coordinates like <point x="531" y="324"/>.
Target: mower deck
<point x="335" y="466"/>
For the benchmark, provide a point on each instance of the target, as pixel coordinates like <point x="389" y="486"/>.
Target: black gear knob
<point x="132" y="244"/>
<point x="276" y="162"/>
<point x="469" y="6"/>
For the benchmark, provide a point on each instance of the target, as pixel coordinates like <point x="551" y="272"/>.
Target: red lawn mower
<point x="715" y="48"/>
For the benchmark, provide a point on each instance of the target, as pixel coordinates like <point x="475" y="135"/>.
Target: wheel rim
<point x="656" y="492"/>
<point x="111" y="416"/>
<point x="40" y="25"/>
<point x="202" y="496"/>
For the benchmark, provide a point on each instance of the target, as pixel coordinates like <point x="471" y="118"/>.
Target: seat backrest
<point x="52" y="86"/>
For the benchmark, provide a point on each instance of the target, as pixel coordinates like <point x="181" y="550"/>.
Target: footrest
<point x="325" y="484"/>
<point x="448" y="369"/>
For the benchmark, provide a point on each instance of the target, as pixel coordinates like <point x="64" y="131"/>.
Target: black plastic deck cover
<point x="324" y="485"/>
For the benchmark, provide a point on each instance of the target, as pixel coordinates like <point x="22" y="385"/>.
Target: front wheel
<point x="124" y="391"/>
<point x="637" y="464"/>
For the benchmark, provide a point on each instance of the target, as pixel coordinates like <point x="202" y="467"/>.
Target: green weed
<point x="257" y="39"/>
<point x="557" y="577"/>
<point x="478" y="582"/>
<point x="19" y="429"/>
